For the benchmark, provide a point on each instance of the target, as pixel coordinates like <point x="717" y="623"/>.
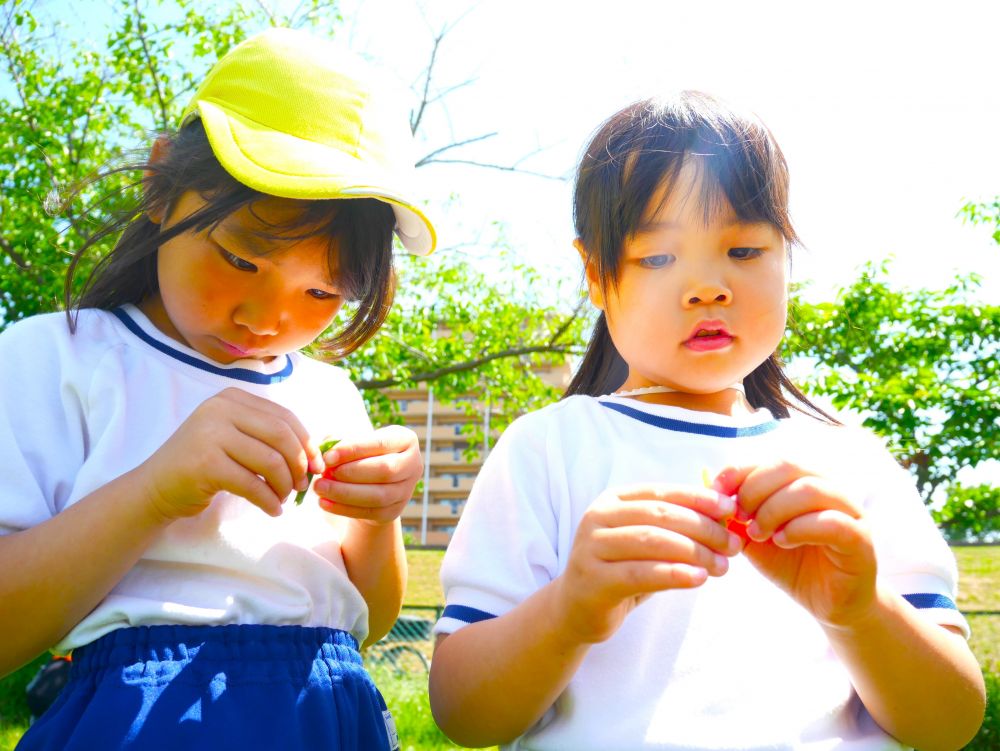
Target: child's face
<point x="231" y="295"/>
<point x="699" y="305"/>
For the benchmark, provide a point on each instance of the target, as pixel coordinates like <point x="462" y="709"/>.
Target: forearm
<point x="910" y="672"/>
<point x="492" y="680"/>
<point x="58" y="571"/>
<point x="376" y="564"/>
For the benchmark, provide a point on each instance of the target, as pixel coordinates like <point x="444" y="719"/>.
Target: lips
<point x="238" y="351"/>
<point x="709" y="335"/>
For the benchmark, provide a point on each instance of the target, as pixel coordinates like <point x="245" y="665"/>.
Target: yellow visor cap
<point x="295" y="116"/>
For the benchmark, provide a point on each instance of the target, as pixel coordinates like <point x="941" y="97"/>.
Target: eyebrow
<point x="649" y="227"/>
<point x="256" y="246"/>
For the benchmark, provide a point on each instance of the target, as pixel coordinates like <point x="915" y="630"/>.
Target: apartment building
<point x="451" y="463"/>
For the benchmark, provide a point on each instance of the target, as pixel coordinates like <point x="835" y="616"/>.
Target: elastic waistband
<point x="209" y="644"/>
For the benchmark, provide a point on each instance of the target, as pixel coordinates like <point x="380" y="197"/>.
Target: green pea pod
<point x="323" y="448"/>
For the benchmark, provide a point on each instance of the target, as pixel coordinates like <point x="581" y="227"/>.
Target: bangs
<point x="639" y="153"/>
<point x="354" y="230"/>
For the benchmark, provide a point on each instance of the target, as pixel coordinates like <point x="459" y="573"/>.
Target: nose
<point x="706" y="293"/>
<point x="262" y="317"/>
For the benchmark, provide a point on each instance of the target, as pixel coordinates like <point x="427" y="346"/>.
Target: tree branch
<point x="502" y="167"/>
<point x="416" y="118"/>
<point x="20" y="261"/>
<point x="429" y="157"/>
<point x="569" y="319"/>
<point x="164" y="119"/>
<point x="461" y="367"/>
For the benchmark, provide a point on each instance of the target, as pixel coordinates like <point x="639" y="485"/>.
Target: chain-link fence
<point x="408" y="646"/>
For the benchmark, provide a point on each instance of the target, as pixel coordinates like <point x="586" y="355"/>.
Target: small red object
<point x="739" y="528"/>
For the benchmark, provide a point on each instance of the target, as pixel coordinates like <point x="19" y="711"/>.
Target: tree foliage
<point x="987" y="212"/>
<point x="920" y="365"/>
<point x="453" y="324"/>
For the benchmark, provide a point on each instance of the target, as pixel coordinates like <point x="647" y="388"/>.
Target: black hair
<point x="639" y="151"/>
<point x="359" y="231"/>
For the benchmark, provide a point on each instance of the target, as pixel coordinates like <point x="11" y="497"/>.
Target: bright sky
<point x="886" y="112"/>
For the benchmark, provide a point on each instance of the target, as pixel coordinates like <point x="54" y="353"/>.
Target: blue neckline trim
<point x="241" y="374"/>
<point x="680" y="426"/>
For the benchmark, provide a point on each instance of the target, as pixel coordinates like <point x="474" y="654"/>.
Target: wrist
<point x="149" y="496"/>
<point x="566" y="618"/>
<point x="864" y="617"/>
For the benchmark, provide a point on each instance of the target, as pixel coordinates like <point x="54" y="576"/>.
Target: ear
<point x="156" y="154"/>
<point x="594" y="290"/>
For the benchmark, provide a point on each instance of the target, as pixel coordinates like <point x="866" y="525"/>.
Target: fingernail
<point x="316" y="464"/>
<point x="753" y="529"/>
<point x="721" y="562"/>
<point x="735" y="543"/>
<point x="727" y="504"/>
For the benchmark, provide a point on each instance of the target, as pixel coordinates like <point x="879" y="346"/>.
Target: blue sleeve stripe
<point x="466" y="614"/>
<point x="928" y="600"/>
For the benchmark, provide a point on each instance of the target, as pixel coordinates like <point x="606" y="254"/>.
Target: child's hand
<point x="807" y="537"/>
<point x="233" y="441"/>
<point x="635" y="541"/>
<point x="371" y="479"/>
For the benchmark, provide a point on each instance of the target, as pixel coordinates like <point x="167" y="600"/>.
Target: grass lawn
<point x="979" y="597"/>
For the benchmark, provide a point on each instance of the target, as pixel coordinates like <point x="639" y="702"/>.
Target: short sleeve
<point x="505" y="545"/>
<point x="914" y="559"/>
<point x="42" y="435"/>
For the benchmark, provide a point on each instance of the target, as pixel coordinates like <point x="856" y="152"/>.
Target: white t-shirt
<point x="734" y="664"/>
<point x="78" y="410"/>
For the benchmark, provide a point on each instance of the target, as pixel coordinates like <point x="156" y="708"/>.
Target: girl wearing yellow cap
<point x="153" y="436"/>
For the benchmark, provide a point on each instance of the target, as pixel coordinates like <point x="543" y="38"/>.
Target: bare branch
<point x="429" y="157"/>
<point x="20" y="261"/>
<point x="418" y="116"/>
<point x="569" y="319"/>
<point x="165" y="120"/>
<point x="442" y="94"/>
<point x="460" y="367"/>
<point x="502" y="167"/>
<point x="412" y="350"/>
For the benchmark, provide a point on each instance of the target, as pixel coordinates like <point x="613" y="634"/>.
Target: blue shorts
<point x="189" y="688"/>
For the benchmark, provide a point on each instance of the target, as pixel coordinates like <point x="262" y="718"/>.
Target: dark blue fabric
<point x="923" y="600"/>
<point x="668" y="423"/>
<point x="240" y="374"/>
<point x="466" y="614"/>
<point x="201" y="688"/>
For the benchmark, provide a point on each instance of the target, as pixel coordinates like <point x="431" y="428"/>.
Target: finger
<point x="835" y="530"/>
<point x="392" y="439"/>
<point x="263" y="412"/>
<point x="364" y="495"/>
<point x="630" y="578"/>
<point x="281" y="439"/>
<point x="655" y="544"/>
<point x="762" y="481"/>
<point x="240" y="481"/>
<point x="658" y="514"/>
<point x="364" y="508"/>
<point x="703" y="500"/>
<point x="801" y="496"/>
<point x="263" y="461"/>
<point x="385" y="468"/>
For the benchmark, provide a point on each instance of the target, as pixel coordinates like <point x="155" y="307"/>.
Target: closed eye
<point x="237" y="262"/>
<point x="657" y="262"/>
<point x="745" y="254"/>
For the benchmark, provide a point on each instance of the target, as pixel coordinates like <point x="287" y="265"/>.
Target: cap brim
<point x="289" y="167"/>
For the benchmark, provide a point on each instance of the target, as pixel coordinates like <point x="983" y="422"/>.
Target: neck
<point x="728" y="401"/>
